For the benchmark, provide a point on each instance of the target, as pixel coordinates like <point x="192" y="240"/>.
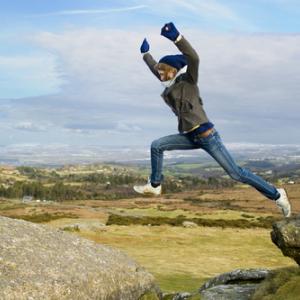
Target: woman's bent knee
<point x="156" y="145"/>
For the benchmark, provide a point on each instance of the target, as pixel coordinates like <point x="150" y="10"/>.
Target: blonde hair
<point x="164" y="67"/>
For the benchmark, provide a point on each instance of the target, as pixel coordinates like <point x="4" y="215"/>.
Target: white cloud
<point x="23" y="76"/>
<point x="97" y="11"/>
<point x="249" y="84"/>
<point x="211" y="8"/>
<point x="106" y="64"/>
<point x="203" y="13"/>
<point x="29" y="126"/>
<point x="123" y="126"/>
<point x="94" y="11"/>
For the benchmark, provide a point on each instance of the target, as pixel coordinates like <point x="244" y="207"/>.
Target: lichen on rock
<point x="286" y="236"/>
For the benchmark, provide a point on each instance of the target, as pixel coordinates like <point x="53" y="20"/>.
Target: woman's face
<point x="165" y="76"/>
<point x="165" y="72"/>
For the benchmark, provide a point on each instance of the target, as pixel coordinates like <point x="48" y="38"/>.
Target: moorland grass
<point x="179" y="282"/>
<point x="282" y="284"/>
<point x="159" y="211"/>
<point x="8" y="205"/>
<point x="43" y="218"/>
<point x="182" y="259"/>
<point x="260" y="222"/>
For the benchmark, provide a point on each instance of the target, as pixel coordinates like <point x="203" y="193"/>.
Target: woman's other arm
<point x="148" y="59"/>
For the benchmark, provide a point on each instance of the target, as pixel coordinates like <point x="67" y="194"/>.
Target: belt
<point x="206" y="133"/>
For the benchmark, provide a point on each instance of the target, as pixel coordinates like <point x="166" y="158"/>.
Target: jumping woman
<point x="179" y="75"/>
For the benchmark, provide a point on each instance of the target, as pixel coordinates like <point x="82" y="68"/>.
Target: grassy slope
<point x="180" y="258"/>
<point x="183" y="258"/>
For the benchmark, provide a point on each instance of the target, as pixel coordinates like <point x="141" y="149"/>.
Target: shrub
<point x="46" y="217"/>
<point x="177" y="221"/>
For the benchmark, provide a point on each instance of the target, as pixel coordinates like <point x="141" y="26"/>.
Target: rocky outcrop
<point x="286" y="236"/>
<point x="37" y="262"/>
<point x="235" y="285"/>
<point x="189" y="224"/>
<point x="84" y="226"/>
<point x="241" y="284"/>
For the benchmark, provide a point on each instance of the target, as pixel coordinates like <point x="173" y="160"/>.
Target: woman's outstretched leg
<point x="214" y="146"/>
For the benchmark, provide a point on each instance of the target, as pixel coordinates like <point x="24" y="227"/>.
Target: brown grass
<point x="181" y="258"/>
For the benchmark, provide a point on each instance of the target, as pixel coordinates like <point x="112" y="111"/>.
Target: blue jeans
<point x="213" y="145"/>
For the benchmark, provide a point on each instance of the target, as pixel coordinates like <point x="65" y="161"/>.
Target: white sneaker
<point x="148" y="189"/>
<point x="283" y="203"/>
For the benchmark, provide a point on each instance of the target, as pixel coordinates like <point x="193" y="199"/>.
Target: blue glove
<point x="145" y="46"/>
<point x="170" y="32"/>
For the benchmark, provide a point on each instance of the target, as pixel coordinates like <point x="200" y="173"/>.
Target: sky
<point x="71" y="71"/>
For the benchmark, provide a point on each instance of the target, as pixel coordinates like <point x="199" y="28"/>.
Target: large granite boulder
<point x="235" y="285"/>
<point x="37" y="262"/>
<point x="286" y="235"/>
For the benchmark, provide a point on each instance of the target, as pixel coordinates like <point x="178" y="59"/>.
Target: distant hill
<point x="57" y="155"/>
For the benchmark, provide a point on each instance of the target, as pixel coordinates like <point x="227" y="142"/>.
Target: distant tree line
<point x="60" y="191"/>
<point x="52" y="186"/>
<point x="113" y="179"/>
<point x="57" y="192"/>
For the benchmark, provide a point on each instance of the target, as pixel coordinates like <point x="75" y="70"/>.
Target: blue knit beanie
<point x="176" y="61"/>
